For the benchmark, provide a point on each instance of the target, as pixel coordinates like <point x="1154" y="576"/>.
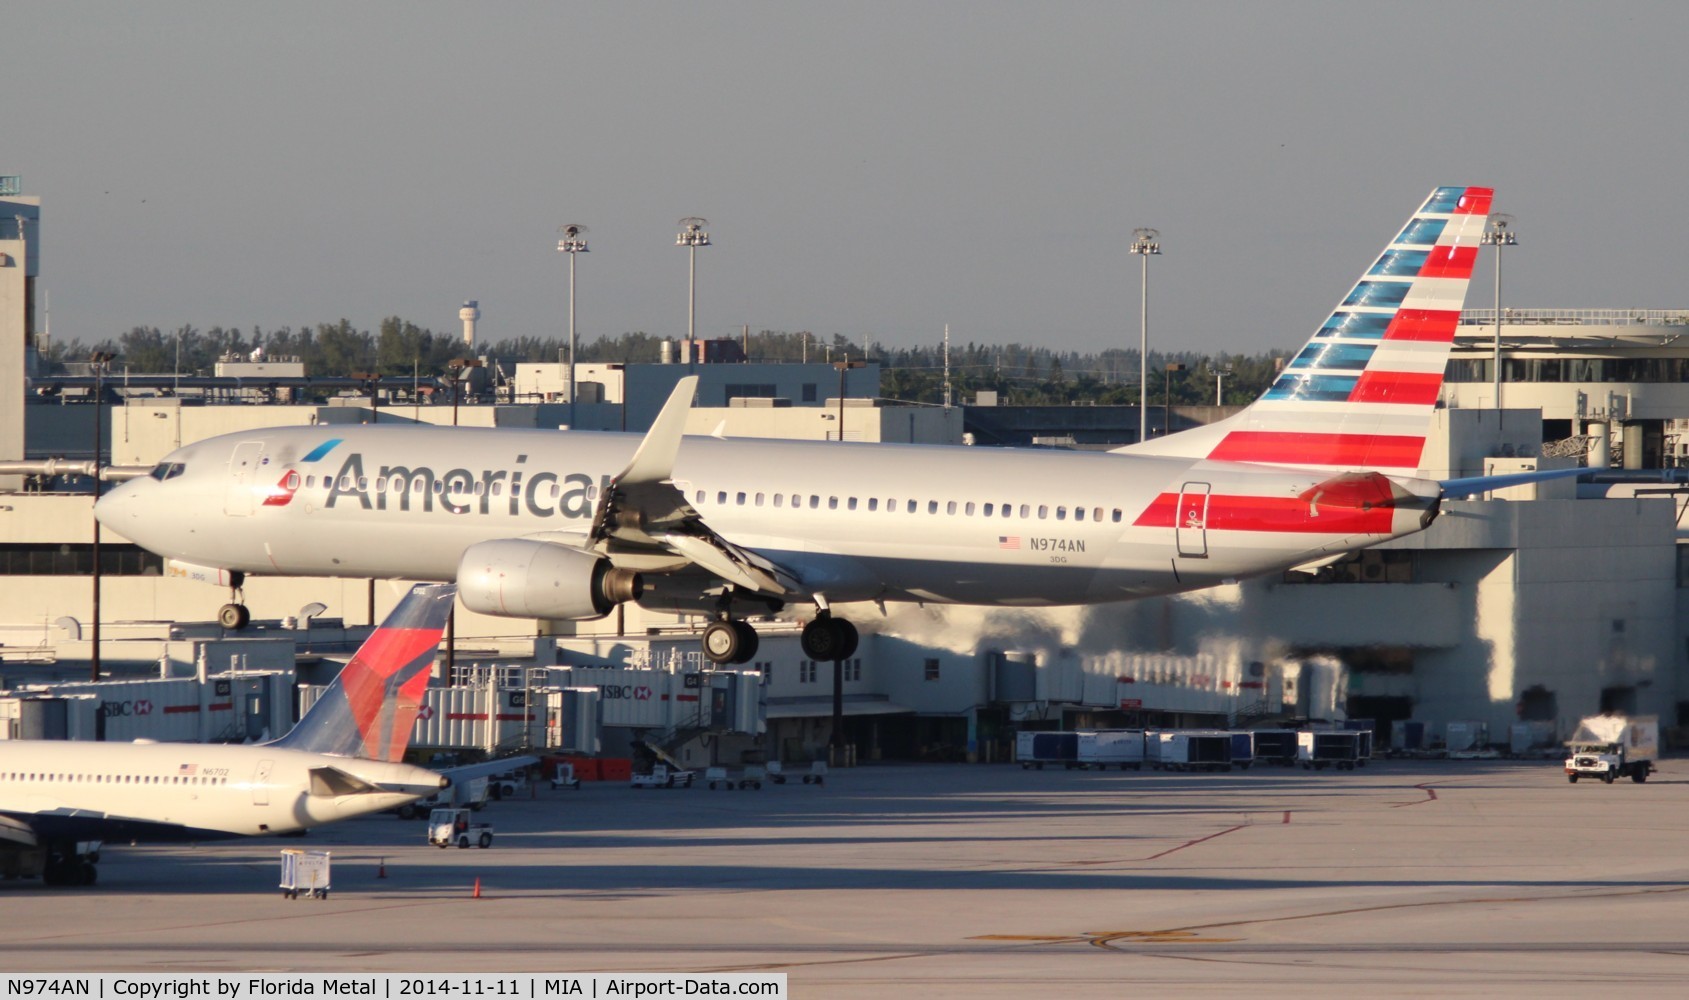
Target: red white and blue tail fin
<point x="1361" y="393"/>
<point x="371" y="708"/>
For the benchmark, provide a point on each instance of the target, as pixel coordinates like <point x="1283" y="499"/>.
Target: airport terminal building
<point x="1537" y="605"/>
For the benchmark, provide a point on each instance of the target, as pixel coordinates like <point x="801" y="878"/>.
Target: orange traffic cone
<point x="381" y="872"/>
<point x="477" y="894"/>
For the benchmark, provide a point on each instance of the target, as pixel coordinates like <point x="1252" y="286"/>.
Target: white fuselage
<point x="855" y="522"/>
<point x="190" y="791"/>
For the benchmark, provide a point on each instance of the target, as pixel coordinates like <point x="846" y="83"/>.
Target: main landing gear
<point x="733" y="640"/>
<point x="234" y="616"/>
<point x="65" y="866"/>
<point x="829" y="638"/>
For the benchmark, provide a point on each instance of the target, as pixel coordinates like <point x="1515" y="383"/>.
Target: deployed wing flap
<point x="643" y="511"/>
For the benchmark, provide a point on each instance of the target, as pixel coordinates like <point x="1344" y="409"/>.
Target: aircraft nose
<point x="121" y="505"/>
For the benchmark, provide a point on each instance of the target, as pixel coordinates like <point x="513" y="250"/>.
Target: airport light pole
<point x="572" y="244"/>
<point x="844" y="366"/>
<point x="1499" y="233"/>
<point x="1145" y="243"/>
<point x="692" y="236"/>
<point x="1220" y="383"/>
<point x="457" y="366"/>
<point x="98" y="361"/>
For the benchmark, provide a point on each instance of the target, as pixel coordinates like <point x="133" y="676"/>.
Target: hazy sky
<point x="871" y="169"/>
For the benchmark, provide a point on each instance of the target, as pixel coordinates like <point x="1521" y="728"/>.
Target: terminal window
<point x="78" y="560"/>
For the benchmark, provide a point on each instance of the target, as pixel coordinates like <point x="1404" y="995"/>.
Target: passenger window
<point x="739" y="499"/>
<point x="988" y="509"/>
<point x="1117" y="515"/>
<point x="759" y="499"/>
<point x="498" y="489"/>
<point x="721" y="498"/>
<point x="912" y="506"/>
<point x="832" y="503"/>
<point x="1043" y="512"/>
<point x="699" y="497"/>
<point x="873" y="503"/>
<point x="293" y="480"/>
<point x="1025" y="510"/>
<point x="1079" y="513"/>
<point x="363" y="484"/>
<point x="553" y="492"/>
<point x="310" y="482"/>
<point x="814" y="502"/>
<point x="969" y="509"/>
<point x="779" y="499"/>
<point x="950" y="508"/>
<point x="932" y="506"/>
<point x="1061" y="513"/>
<point x="851" y="503"/>
<point x="1097" y="514"/>
<point x="345" y="482"/>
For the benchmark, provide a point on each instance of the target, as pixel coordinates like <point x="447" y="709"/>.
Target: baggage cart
<point x="304" y="873"/>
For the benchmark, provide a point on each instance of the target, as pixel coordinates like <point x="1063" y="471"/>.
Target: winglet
<point x="654" y="461"/>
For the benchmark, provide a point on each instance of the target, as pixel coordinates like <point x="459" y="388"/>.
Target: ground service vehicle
<point x="1610" y="747"/>
<point x="453" y="826"/>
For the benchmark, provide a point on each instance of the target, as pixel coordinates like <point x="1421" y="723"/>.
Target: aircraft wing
<point x="16" y="831"/>
<point x="643" y="512"/>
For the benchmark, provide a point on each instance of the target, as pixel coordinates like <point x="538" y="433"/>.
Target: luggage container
<point x="1243" y="749"/>
<point x="1407" y="736"/>
<point x="1037" y="749"/>
<point x="1123" y="748"/>
<point x="1275" y="746"/>
<point x="1190" y="750"/>
<point x="1337" y="748"/>
<point x="1368" y="729"/>
<point x="304" y="873"/>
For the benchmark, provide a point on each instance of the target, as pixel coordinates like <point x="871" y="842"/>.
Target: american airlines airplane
<point x="60" y="799"/>
<point x="567" y="525"/>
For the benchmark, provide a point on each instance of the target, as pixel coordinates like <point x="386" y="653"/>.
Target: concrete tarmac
<point x="954" y="880"/>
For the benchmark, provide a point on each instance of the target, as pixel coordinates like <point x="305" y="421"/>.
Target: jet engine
<point x="520" y="578"/>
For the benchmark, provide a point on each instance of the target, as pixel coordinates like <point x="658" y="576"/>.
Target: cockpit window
<point x="167" y="470"/>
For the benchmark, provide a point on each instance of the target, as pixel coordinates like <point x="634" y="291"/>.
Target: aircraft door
<point x="1190" y="527"/>
<point x="261" y="783"/>
<point x="243" y="470"/>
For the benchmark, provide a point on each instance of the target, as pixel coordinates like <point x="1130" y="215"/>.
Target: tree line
<point x="1020" y="374"/>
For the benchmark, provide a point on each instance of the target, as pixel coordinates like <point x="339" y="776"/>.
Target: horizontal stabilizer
<point x="486" y="768"/>
<point x="332" y="783"/>
<point x="1455" y="489"/>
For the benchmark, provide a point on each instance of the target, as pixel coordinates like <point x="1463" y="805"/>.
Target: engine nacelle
<point x="520" y="578"/>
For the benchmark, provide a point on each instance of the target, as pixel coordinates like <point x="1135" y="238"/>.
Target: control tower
<point x="470" y="312"/>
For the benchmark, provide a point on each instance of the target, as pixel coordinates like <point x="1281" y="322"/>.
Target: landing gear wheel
<point x="722" y="641"/>
<point x="234" y="617"/>
<point x="747" y="641"/>
<point x="829" y="638"/>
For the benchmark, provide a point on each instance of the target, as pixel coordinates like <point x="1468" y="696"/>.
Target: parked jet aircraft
<point x="566" y="525"/>
<point x="340" y="761"/>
